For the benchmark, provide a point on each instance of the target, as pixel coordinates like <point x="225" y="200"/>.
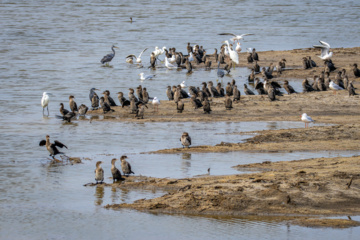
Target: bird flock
<point x="201" y="96"/>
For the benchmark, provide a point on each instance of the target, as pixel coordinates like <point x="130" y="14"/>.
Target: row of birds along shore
<point x="200" y="96"/>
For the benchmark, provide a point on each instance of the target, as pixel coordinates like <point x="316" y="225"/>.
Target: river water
<point x="57" y="47"/>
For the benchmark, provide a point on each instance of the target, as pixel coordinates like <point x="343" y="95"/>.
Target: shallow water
<point x="56" y="47"/>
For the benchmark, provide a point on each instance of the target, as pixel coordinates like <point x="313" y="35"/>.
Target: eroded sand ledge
<point x="303" y="188"/>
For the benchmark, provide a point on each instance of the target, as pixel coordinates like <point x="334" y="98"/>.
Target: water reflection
<point x="99" y="195"/>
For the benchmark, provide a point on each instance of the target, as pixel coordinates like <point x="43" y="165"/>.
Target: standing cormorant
<point x="99" y="172"/>
<point x="72" y="104"/>
<point x="125" y="166"/>
<point x="115" y="172"/>
<point x="52" y="147"/>
<point x="185" y="140"/>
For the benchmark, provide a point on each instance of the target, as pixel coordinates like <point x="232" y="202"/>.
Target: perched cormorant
<point x="229" y="89"/>
<point x="72" y="103"/>
<point x="115" y="172"/>
<point x="185" y="140"/>
<point x="66" y="114"/>
<point x="259" y="86"/>
<point x="289" y="89"/>
<point x="251" y="77"/>
<point x="52" y="147"/>
<point x="356" y="70"/>
<point x="105" y="106"/>
<point x="109" y="99"/>
<point x="228" y="102"/>
<point x="248" y="91"/>
<point x="95" y="101"/>
<point x="169" y="93"/>
<point x="123" y="101"/>
<point x="180" y="106"/>
<point x="306" y="86"/>
<point x="206" y="106"/>
<point x="195" y="102"/>
<point x="236" y="93"/>
<point x="125" y="166"/>
<point x="140" y="111"/>
<point x="109" y="57"/>
<point x="99" y="172"/>
<point x="83" y="109"/>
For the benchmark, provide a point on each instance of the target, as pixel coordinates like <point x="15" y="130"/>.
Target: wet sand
<point x="313" y="187"/>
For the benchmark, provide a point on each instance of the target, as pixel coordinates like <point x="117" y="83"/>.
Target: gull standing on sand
<point x="185" y="140"/>
<point x="334" y="86"/>
<point x="147" y="77"/>
<point x="45" y="101"/>
<point x="325" y="50"/>
<point x="156" y="103"/>
<point x="307" y="119"/>
<point x="236" y="37"/>
<point x="129" y="58"/>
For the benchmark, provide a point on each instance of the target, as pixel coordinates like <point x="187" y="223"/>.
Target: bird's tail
<point x="132" y="172"/>
<point x="59" y="117"/>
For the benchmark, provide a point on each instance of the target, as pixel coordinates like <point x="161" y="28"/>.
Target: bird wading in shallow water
<point x="306" y="119"/>
<point x="125" y="166"/>
<point x="52" y="147"/>
<point x="185" y="140"/>
<point x="45" y="101"/>
<point x="107" y="58"/>
<point x="99" y="173"/>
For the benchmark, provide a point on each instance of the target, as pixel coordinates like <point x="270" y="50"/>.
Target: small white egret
<point x="45" y="101"/>
<point x="156" y="103"/>
<point x="233" y="55"/>
<point x="147" y="77"/>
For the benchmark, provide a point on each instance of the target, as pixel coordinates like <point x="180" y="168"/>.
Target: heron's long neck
<point x="112" y="48"/>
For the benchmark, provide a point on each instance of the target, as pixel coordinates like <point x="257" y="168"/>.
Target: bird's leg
<point x="47" y="107"/>
<point x="43" y="111"/>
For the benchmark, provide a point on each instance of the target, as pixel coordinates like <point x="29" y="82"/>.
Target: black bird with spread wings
<point x="52" y="147"/>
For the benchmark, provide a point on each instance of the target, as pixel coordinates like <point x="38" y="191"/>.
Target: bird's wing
<point x="259" y="85"/>
<point x="131" y="56"/>
<point x="246" y="34"/>
<point x="142" y="52"/>
<point x="227" y="34"/>
<point x="59" y="144"/>
<point x="42" y="143"/>
<point x="189" y="138"/>
<point x="275" y="84"/>
<point x="325" y="44"/>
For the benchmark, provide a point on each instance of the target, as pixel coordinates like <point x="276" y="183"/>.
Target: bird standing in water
<point x="45" y="101"/>
<point x="115" y="172"/>
<point x="52" y="147"/>
<point x="125" y="166"/>
<point x="107" y="58"/>
<point x="99" y="173"/>
<point x="185" y="140"/>
<point x="307" y="119"/>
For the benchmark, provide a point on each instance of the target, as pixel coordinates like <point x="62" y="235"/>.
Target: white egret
<point x="45" y="101"/>
<point x="233" y="55"/>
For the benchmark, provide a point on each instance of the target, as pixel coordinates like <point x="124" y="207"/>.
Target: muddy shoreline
<point x="297" y="190"/>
